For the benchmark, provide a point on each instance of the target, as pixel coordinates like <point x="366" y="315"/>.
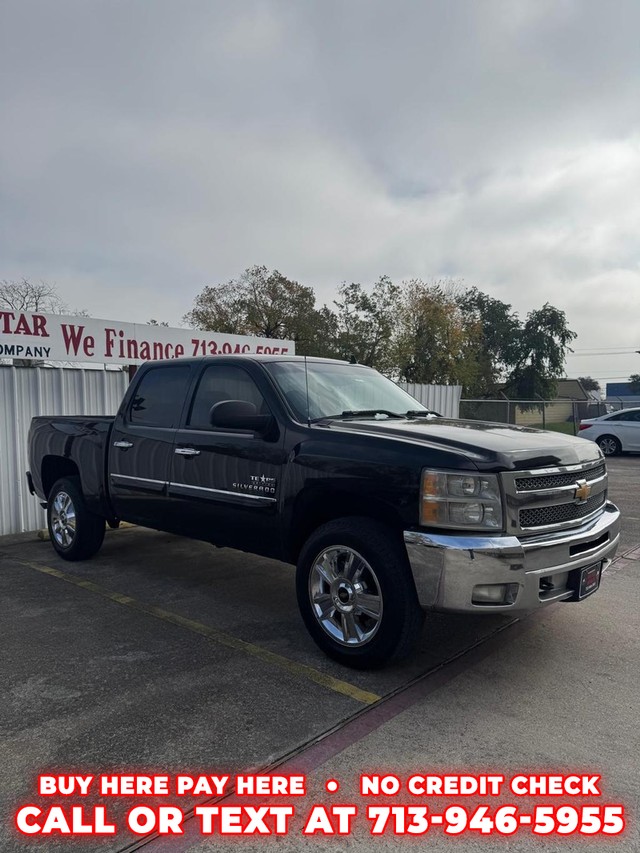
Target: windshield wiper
<point x="367" y="413"/>
<point x="358" y="413"/>
<point x="362" y="413"/>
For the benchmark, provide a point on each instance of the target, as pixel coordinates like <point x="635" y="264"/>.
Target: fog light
<point x="495" y="593"/>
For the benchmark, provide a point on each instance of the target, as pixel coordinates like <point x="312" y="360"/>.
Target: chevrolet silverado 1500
<point x="386" y="508"/>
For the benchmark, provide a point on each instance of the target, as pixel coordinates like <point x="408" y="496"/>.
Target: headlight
<point x="460" y="500"/>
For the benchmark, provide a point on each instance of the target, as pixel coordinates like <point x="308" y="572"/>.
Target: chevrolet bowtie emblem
<point x="582" y="492"/>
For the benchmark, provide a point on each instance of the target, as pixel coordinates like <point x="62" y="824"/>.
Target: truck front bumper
<point x="476" y="574"/>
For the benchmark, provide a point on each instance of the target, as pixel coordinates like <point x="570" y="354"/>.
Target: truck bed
<point x="61" y="445"/>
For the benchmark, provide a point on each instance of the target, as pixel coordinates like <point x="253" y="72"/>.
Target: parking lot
<point x="167" y="654"/>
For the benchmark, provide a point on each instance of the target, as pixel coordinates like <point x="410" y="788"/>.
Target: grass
<point x="561" y="426"/>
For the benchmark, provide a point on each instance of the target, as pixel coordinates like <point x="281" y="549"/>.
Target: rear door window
<point x="159" y="397"/>
<point x="626" y="416"/>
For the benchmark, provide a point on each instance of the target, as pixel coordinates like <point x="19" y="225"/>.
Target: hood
<point x="499" y="446"/>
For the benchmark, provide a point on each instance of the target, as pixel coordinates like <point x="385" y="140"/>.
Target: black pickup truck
<point x="386" y="508"/>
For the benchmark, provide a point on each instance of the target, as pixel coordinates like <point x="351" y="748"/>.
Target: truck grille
<point x="554" y="481"/>
<point x="553" y="499"/>
<point x="544" y="515"/>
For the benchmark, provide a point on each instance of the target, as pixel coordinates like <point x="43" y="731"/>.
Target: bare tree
<point x="25" y="295"/>
<point x="33" y="297"/>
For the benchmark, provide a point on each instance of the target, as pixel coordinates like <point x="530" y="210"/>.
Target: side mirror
<point x="238" y="414"/>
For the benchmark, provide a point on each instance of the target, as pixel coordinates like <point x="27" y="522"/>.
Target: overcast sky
<point x="149" y="148"/>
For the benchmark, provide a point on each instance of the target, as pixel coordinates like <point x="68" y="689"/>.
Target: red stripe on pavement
<point x="313" y="755"/>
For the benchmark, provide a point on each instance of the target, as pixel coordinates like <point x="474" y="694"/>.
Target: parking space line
<point x="293" y="667"/>
<point x="632" y="553"/>
<point x="309" y="757"/>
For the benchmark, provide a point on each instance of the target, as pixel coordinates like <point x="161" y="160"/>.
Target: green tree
<point x="589" y="384"/>
<point x="264" y="303"/>
<point x="322" y="335"/>
<point x="364" y="322"/>
<point x="540" y="350"/>
<point x="496" y="351"/>
<point x="435" y="341"/>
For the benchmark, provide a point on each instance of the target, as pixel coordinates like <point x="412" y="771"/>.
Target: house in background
<point x="571" y="389"/>
<point x="563" y="408"/>
<point x="571" y="404"/>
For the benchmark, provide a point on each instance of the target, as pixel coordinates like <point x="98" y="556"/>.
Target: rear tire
<point x="356" y="594"/>
<point x="75" y="532"/>
<point x="609" y="445"/>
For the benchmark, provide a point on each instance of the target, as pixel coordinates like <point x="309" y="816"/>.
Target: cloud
<point x="149" y="149"/>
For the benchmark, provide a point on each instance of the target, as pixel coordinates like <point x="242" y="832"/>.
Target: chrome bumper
<point x="446" y="568"/>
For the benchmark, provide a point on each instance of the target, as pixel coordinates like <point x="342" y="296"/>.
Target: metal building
<point x="29" y="391"/>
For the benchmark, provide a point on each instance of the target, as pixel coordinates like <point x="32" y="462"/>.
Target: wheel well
<point x="610" y="436"/>
<point x="311" y="513"/>
<point x="54" y="467"/>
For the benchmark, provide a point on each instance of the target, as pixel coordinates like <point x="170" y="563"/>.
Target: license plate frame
<point x="585" y="581"/>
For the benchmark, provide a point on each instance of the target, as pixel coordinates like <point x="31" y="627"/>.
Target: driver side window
<point x="217" y="384"/>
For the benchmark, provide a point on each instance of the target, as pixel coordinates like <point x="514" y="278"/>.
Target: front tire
<point x="356" y="594"/>
<point x="609" y="445"/>
<point x="75" y="532"/>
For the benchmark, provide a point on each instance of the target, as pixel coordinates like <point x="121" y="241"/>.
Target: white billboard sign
<point x="54" y="337"/>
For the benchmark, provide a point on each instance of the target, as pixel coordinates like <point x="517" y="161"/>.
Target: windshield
<point x="335" y="389"/>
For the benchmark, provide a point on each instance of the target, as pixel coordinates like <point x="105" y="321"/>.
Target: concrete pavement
<point x="164" y="653"/>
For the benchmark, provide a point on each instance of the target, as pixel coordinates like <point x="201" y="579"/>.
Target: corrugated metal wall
<point x="29" y="391"/>
<point x="444" y="399"/>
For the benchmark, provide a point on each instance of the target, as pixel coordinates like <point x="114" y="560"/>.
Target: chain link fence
<point x="557" y="415"/>
<point x="615" y="404"/>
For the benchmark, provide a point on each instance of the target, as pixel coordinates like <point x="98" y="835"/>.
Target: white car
<point x="614" y="433"/>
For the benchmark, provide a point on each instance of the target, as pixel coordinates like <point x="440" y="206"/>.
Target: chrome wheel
<point x="345" y="596"/>
<point x="63" y="520"/>
<point x="609" y="446"/>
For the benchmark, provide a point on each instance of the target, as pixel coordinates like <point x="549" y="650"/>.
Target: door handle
<point x="123" y="444"/>
<point x="187" y="451"/>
